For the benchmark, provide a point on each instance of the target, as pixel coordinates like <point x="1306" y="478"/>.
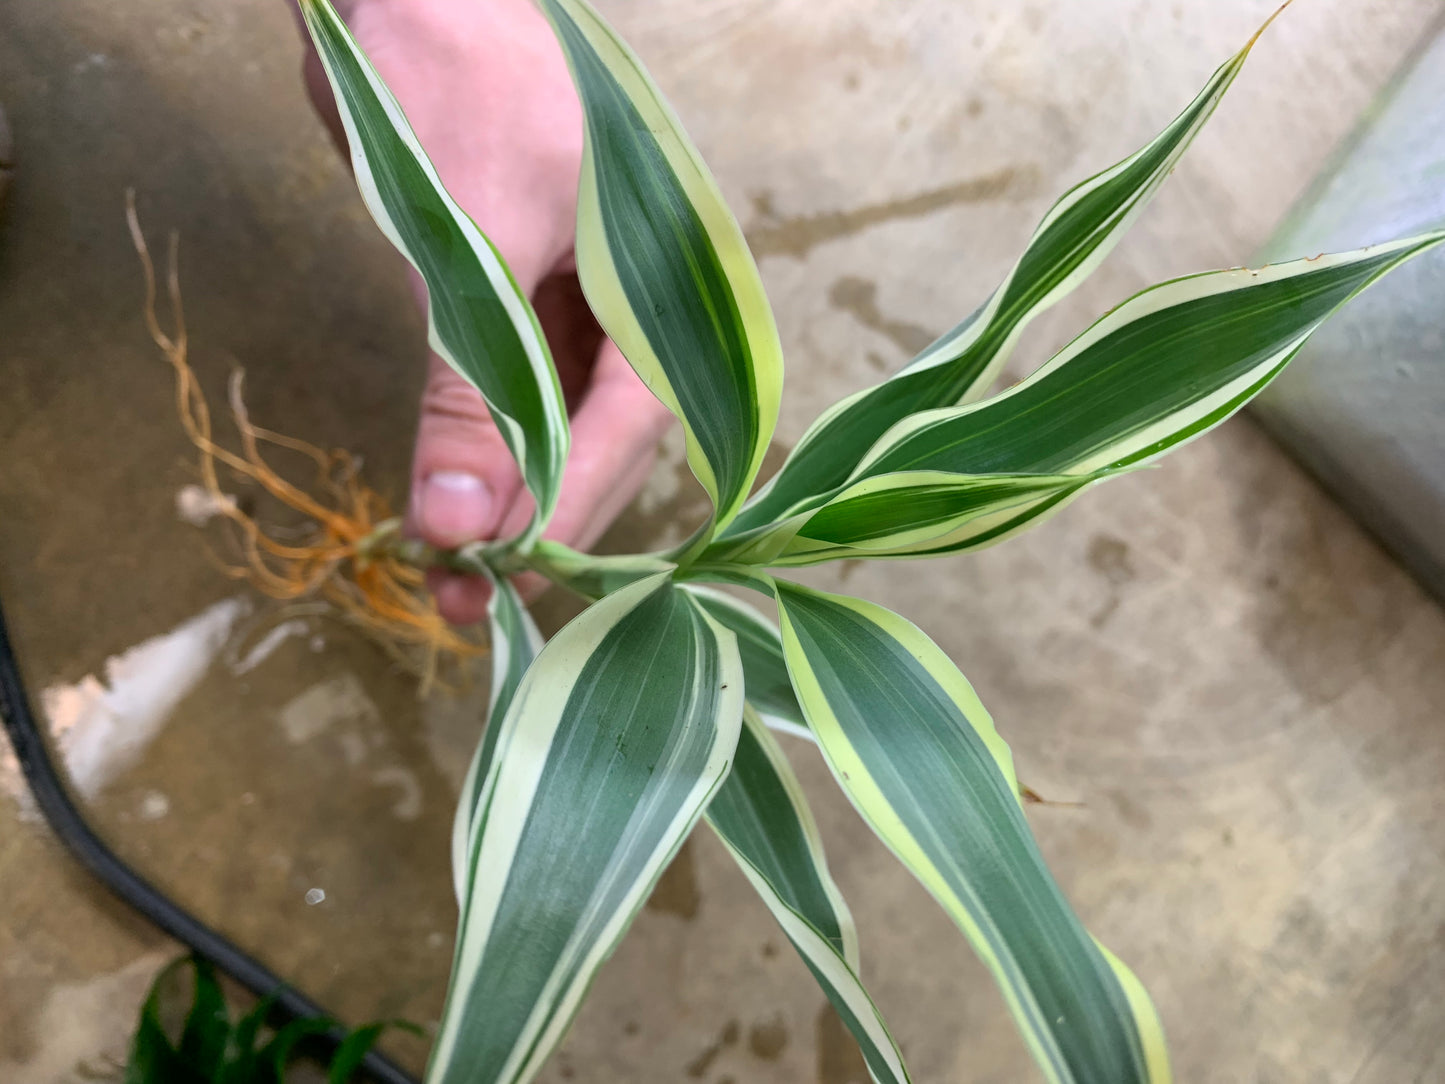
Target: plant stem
<point x="473" y="559"/>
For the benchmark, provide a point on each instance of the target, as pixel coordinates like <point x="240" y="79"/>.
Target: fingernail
<point x="456" y="507"/>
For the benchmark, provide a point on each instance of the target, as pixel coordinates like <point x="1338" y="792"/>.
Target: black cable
<point x="67" y="822"/>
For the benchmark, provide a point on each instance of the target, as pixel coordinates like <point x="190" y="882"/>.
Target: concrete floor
<point x="1240" y="688"/>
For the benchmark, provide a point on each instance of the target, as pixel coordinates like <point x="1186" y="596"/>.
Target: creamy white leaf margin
<point x="752" y="627"/>
<point x="514" y="643"/>
<point x="836" y="971"/>
<point x="524" y="741"/>
<point x="1100" y="240"/>
<point x="597" y="265"/>
<point x="1132" y="448"/>
<point x="950" y="880"/>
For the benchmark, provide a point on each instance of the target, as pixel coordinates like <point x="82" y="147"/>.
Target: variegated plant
<point x="652" y="710"/>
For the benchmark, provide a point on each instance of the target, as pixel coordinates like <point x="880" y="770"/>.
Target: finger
<point x="572" y="333"/>
<point x="614" y="440"/>
<point x="461" y="600"/>
<point x="622" y="492"/>
<point x="463" y="482"/>
<point x="614" y="443"/>
<point x="463" y="476"/>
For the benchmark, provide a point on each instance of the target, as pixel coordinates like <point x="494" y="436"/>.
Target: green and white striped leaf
<point x="664" y="265"/>
<point x="903" y="514"/>
<point x="1071" y="241"/>
<point x="765" y="672"/>
<point x="514" y="643"/>
<point x="478" y="319"/>
<point x="614" y="742"/>
<point x="764" y="821"/>
<point x="1163" y="368"/>
<point x="915" y="751"/>
<point x="593" y="575"/>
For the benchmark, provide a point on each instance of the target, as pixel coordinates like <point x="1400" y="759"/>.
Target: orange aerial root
<point x="382" y="594"/>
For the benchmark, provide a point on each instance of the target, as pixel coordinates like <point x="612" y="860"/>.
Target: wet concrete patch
<point x="768" y="1039"/>
<point x="772" y="234"/>
<point x="677" y="892"/>
<point x="698" y="1068"/>
<point x="839" y="1059"/>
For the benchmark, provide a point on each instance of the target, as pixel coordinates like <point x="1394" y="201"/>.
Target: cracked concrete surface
<point x="1238" y="686"/>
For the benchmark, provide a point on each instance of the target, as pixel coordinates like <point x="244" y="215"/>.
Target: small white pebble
<point x="318" y="643"/>
<point x="154" y="805"/>
<point x="248" y="798"/>
<point x="197" y="506"/>
<point x="435" y="939"/>
<point x="315" y="896"/>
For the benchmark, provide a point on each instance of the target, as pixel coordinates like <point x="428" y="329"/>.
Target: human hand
<point x="486" y="89"/>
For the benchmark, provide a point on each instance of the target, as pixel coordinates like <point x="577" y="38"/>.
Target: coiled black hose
<point x="67" y="822"/>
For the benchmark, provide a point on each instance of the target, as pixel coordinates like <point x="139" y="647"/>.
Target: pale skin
<point x="486" y="88"/>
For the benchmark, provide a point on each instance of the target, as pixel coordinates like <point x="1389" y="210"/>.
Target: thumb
<point x="464" y="479"/>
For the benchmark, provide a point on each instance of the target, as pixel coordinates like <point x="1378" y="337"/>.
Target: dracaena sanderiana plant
<point x="651" y="711"/>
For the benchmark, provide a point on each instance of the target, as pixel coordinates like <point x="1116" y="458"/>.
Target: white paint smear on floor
<point x="407" y="806"/>
<point x="333" y="702"/>
<point x="85" y="1026"/>
<point x="267" y="644"/>
<point x="100" y="727"/>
